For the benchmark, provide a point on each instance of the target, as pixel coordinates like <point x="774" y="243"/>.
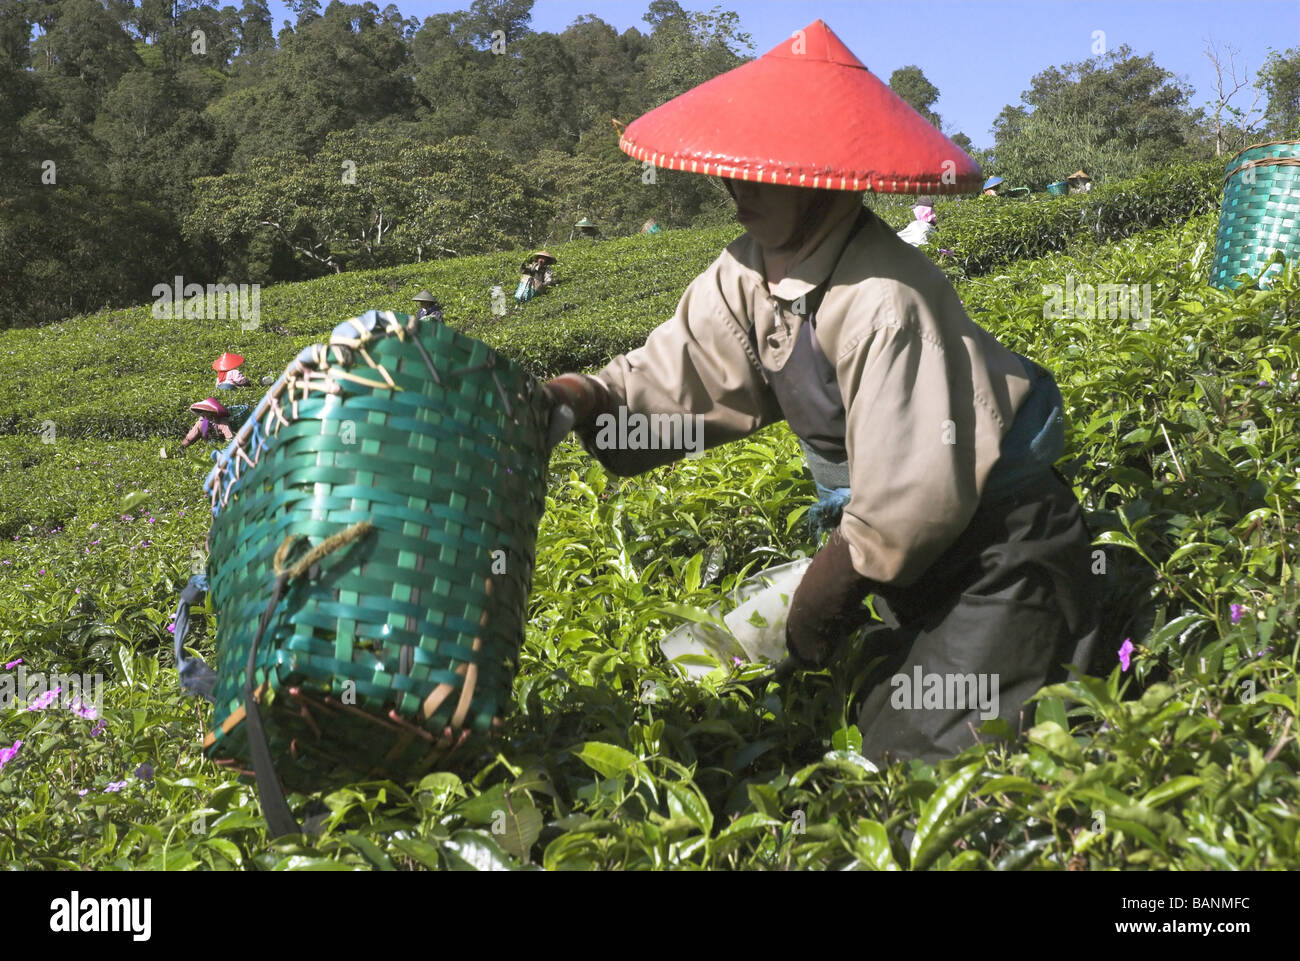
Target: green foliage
<point x="1114" y="115"/>
<point x="363" y="202"/>
<point x="1280" y="80"/>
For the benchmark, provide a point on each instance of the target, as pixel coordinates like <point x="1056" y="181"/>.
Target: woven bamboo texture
<point x="1260" y="212"/>
<point x="403" y="647"/>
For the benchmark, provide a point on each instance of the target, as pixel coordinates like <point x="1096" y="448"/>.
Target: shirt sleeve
<point x="911" y="412"/>
<point x="696" y="380"/>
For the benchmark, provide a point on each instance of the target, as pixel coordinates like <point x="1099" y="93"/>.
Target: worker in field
<point x="922" y="226"/>
<point x="992" y="186"/>
<point x="535" y="276"/>
<point x="429" y="307"/>
<point x="213" y="415"/>
<point x="229" y="376"/>
<point x="931" y="443"/>
<point x="1079" y="182"/>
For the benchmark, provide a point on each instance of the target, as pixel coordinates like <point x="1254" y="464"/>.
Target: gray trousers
<point x="1002" y="611"/>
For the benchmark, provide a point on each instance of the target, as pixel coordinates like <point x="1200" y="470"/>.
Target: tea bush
<point x="983" y="232"/>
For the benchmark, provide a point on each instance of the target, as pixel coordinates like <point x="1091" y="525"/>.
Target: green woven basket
<point x="409" y="461"/>
<point x="1260" y="213"/>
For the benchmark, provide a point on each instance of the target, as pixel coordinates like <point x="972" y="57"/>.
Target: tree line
<point x="141" y="139"/>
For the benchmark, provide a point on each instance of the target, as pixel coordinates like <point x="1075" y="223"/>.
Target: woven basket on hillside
<point x="1260" y="213"/>
<point x="379" y="512"/>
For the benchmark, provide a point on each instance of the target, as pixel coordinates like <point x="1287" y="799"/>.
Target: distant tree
<point x="1230" y="135"/>
<point x="911" y="84"/>
<point x="686" y="49"/>
<point x="1280" y="79"/>
<point x="363" y="202"/>
<point x="1112" y="115"/>
<point x="255" y="33"/>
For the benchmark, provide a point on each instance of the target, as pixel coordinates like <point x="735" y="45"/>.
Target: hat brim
<point x="851" y="132"/>
<point x="209" y="406"/>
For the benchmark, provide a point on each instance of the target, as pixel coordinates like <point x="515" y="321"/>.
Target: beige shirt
<point x="928" y="394"/>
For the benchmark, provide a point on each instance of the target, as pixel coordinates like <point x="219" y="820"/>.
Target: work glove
<point x="826" y="607"/>
<point x="578" y="401"/>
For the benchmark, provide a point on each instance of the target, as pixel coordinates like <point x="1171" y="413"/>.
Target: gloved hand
<point x="578" y="400"/>
<point x="827" y="605"/>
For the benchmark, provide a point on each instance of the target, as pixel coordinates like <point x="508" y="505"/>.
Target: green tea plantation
<point x="1183" y="444"/>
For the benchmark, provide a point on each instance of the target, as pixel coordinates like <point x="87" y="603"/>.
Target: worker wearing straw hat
<point x="536" y="276"/>
<point x="931" y="445"/>
<point x="429" y="306"/>
<point x="1080" y="182"/>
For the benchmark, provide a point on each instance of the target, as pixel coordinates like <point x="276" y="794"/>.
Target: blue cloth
<point x="1035" y="441"/>
<point x="525" y="290"/>
<point x="196" y="677"/>
<point x="824" y="516"/>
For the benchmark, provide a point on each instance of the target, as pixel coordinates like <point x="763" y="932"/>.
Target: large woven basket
<point x="1260" y="213"/>
<point x="410" y="462"/>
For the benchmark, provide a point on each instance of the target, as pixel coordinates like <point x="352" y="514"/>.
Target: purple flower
<point x="145" y="771"/>
<point x="1125" y="652"/>
<point x="84" y="710"/>
<point x="7" y="753"/>
<point x="13" y="664"/>
<point x="44" y="700"/>
<point x="171" y="628"/>
<point x="114" y="786"/>
<point x="735" y="660"/>
<point x="83" y="792"/>
<point x="98" y="728"/>
<point x="42" y="570"/>
<point x="151" y="520"/>
<point x="1237" y="611"/>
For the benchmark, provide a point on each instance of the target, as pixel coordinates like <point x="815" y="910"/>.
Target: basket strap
<point x="196" y="677"/>
<point x="275" y="808"/>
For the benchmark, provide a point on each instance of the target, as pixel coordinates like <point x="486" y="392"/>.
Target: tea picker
<point x="929" y="443"/>
<point x="370" y="556"/>
<point x="229" y="376"/>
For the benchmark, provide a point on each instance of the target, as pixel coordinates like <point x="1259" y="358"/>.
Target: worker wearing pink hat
<point x="212" y="415"/>
<point x="931" y="444"/>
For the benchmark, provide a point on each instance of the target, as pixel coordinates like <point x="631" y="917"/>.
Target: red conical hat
<point x="209" y="406"/>
<point x="844" y="129"/>
<point x="227" y="362"/>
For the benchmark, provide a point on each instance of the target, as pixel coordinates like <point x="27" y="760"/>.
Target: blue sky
<point x="980" y="54"/>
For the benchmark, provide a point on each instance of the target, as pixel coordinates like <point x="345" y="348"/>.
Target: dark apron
<point x="1014" y="596"/>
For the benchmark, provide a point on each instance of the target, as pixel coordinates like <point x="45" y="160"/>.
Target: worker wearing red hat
<point x="930" y="443"/>
<point x="229" y="376"/>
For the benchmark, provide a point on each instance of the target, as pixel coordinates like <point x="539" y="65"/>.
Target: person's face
<point x="770" y="212"/>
